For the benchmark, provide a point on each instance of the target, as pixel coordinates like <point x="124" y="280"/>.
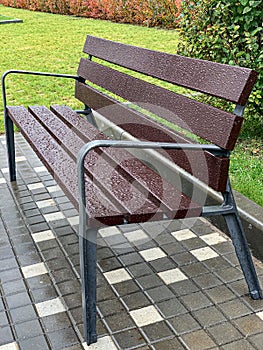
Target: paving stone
<point x="172" y="248"/>
<point x="28" y="329"/>
<point x="196" y="301"/>
<point x="43" y="294"/>
<point x="56" y="322"/>
<point x="149" y="281"/>
<point x="35" y="343"/>
<point x="131" y="258"/>
<point x="110" y="264"/>
<point x="73" y="300"/>
<point x="220" y="294"/>
<point x="110" y="307"/>
<point x="160" y="293"/>
<point x="22" y="314"/>
<point x="129" y="338"/>
<point x="224" y="333"/>
<point x="69" y="287"/>
<point x="184" y="259"/>
<point x="238" y="345"/>
<point x="64" y="338"/>
<point x="139" y="270"/>
<point x="184" y="323"/>
<point x="230" y="274"/>
<point x="184" y="287"/>
<point x="169" y="344"/>
<point x="171" y="307"/>
<point x="3" y="319"/>
<point x="198" y="340"/>
<point x="17" y="300"/>
<point x="257" y="340"/>
<point x="14" y="287"/>
<point x="209" y="316"/>
<point x="119" y="322"/>
<point x="207" y="280"/>
<point x="250" y="324"/>
<point x="126" y="287"/>
<point x="6" y="335"/>
<point x="234" y="308"/>
<point x="157" y="331"/>
<point x="136" y="300"/>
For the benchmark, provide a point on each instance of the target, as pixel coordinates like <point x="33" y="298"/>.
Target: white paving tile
<point x="137" y="235"/>
<point x="109" y="231"/>
<point x="117" y="276"/>
<point x="54" y="216"/>
<point x="52" y="189"/>
<point x="34" y="270"/>
<point x="213" y="238"/>
<point x="5" y="170"/>
<point x="146" y="315"/>
<point x="43" y="236"/>
<point x="35" y="186"/>
<point x="20" y="159"/>
<point x="260" y="315"/>
<point x="40" y="169"/>
<point x="183" y="235"/>
<point x="46" y="203"/>
<point x="9" y="346"/>
<point x="205" y="253"/>
<point x="152" y="254"/>
<point x="104" y="343"/>
<point x="50" y="307"/>
<point x="172" y="276"/>
<point x="74" y="220"/>
<point x="3" y="142"/>
<point x="2" y="181"/>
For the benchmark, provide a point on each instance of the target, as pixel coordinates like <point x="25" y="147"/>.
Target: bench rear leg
<point x="241" y="246"/>
<point x="88" y="265"/>
<point x="10" y="144"/>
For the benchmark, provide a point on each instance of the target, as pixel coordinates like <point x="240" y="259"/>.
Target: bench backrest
<point x="214" y="125"/>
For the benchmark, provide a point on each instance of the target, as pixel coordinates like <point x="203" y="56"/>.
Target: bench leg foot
<point x="10" y="143"/>
<point x="243" y="253"/>
<point x="88" y="265"/>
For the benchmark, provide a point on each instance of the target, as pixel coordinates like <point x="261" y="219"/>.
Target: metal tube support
<point x="241" y="246"/>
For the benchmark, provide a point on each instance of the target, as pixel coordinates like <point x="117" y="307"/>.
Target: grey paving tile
<point x="196" y="301"/>
<point x="169" y="344"/>
<point x="171" y="307"/>
<point x="23" y="314"/>
<point x="56" y="322"/>
<point x="73" y="300"/>
<point x="109" y="264"/>
<point x="110" y="307"/>
<point x="129" y="338"/>
<point x="224" y="333"/>
<point x="238" y="345"/>
<point x="249" y="325"/>
<point x="69" y="287"/>
<point x="3" y="319"/>
<point x="126" y="287"/>
<point x="220" y="294"/>
<point x="184" y="287"/>
<point x="43" y="294"/>
<point x="162" y="264"/>
<point x="160" y="293"/>
<point x="13" y="287"/>
<point x="257" y="340"/>
<point x="157" y="331"/>
<point x="119" y="322"/>
<point x="230" y="274"/>
<point x="207" y="280"/>
<point x="198" y="340"/>
<point x="234" y="308"/>
<point x="184" y="323"/>
<point x="6" y="335"/>
<point x="17" y="300"/>
<point x="209" y="316"/>
<point x="28" y="329"/>
<point x="184" y="259"/>
<point x="62" y="339"/>
<point x="136" y="300"/>
<point x="173" y="248"/>
<point x="131" y="258"/>
<point x="139" y="270"/>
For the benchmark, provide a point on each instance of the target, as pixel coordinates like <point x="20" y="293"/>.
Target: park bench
<point x="102" y="174"/>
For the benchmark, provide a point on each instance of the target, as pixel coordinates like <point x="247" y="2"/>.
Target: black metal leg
<point x="10" y="143"/>
<point x="243" y="253"/>
<point x="88" y="264"/>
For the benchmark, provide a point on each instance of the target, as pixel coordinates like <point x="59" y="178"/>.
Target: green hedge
<point x="162" y="13"/>
<point x="227" y="31"/>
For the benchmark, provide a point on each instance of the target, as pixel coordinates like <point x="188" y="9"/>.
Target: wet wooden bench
<point x="110" y="186"/>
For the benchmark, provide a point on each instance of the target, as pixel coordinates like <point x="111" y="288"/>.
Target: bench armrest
<point x="128" y="144"/>
<point x="46" y="74"/>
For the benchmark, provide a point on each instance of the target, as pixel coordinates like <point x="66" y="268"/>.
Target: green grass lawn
<point x="47" y="42"/>
<point x="4" y="18"/>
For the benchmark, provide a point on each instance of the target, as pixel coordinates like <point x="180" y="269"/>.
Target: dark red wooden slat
<point x="216" y="126"/>
<point x="229" y="82"/>
<point x="208" y="168"/>
<point x="63" y="168"/>
<point x="115" y="186"/>
<point x="151" y="184"/>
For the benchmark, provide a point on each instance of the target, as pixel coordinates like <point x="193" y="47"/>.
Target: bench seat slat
<point x="147" y="181"/>
<point x="231" y="83"/>
<point x="207" y="167"/>
<point x="119" y="189"/>
<point x="63" y="168"/>
<point x="218" y="126"/>
<point x="118" y="210"/>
